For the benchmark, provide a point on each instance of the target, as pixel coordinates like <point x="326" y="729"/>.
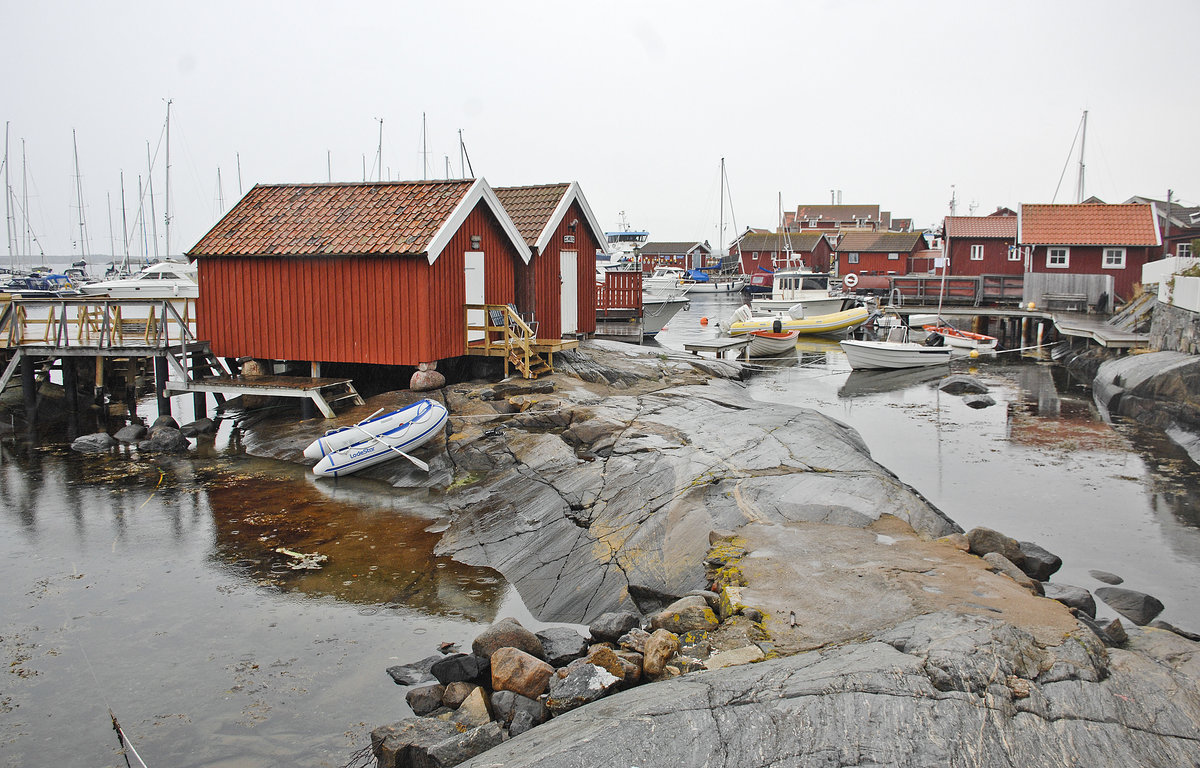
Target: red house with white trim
<point x="1091" y="239"/>
<point x="877" y="253"/>
<point x="982" y="245"/>
<point x="766" y="252"/>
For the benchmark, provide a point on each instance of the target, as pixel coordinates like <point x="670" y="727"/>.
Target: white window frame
<point x="1183" y="250"/>
<point x="1106" y="264"/>
<point x="1066" y="257"/>
<point x="893" y="257"/>
<point x="852" y="258"/>
<point x="1015" y="253"/>
<point x="977" y="252"/>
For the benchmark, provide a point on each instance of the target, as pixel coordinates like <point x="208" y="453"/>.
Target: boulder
<point x="985" y="540"/>
<point x="1106" y="577"/>
<point x="131" y="433"/>
<point x="415" y="673"/>
<point x="507" y="633"/>
<point x="609" y="627"/>
<point x="1039" y="563"/>
<point x="1116" y="632"/>
<point x="457" y="692"/>
<point x="474" y="710"/>
<point x="166" y="420"/>
<point x="1071" y="596"/>
<point x="98" y="442"/>
<point x="734" y="657"/>
<point x="463" y="746"/>
<point x="464" y="667"/>
<point x="660" y="647"/>
<point x="650" y="600"/>
<point x="582" y="685"/>
<point x="506" y="705"/>
<point x="686" y="615"/>
<point x="426" y="381"/>
<point x="517" y="671"/>
<point x="606" y="658"/>
<point x="425" y="699"/>
<point x="1160" y="624"/>
<point x="1138" y="607"/>
<point x="1001" y="564"/>
<point x="205" y="426"/>
<point x="634" y="640"/>
<point x="164" y="439"/>
<point x="408" y="742"/>
<point x="961" y="384"/>
<point x="979" y="402"/>
<point x="561" y="645"/>
<point x="753" y="614"/>
<point x="521" y="722"/>
<point x="632" y="661"/>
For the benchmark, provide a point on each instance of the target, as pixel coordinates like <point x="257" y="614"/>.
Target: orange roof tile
<point x="982" y="226"/>
<point x="383" y="218"/>
<point x="1088" y="224"/>
<point x="530" y="208"/>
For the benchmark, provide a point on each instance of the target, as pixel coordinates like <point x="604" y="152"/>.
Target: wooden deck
<point x="1086" y="325"/>
<point x="323" y="392"/>
<point x="719" y="347"/>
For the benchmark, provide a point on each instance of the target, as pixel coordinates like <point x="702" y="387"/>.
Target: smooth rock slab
<point x="463" y="746"/>
<point x="960" y="384"/>
<point x="1071" y="596"/>
<point x="1138" y="607"/>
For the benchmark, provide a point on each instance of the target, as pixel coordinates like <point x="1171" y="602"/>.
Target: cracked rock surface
<point x="940" y="689"/>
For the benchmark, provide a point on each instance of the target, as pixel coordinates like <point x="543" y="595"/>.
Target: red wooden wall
<point x="547" y="268"/>
<point x="1088" y="260"/>
<point x="387" y="310"/>
<point x="995" y="257"/>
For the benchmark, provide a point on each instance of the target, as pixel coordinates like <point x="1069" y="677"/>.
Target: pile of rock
<point x="164" y="436"/>
<point x="514" y="679"/>
<point x="1031" y="566"/>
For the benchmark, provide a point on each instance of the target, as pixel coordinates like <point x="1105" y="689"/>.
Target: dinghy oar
<point x="385" y="444"/>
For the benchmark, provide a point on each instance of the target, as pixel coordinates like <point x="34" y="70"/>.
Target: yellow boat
<point x="743" y="322"/>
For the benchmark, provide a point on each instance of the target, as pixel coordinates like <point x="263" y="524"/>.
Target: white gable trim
<point x="573" y="194"/>
<point x="480" y="190"/>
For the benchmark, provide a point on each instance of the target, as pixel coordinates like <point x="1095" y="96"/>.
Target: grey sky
<point x="890" y="102"/>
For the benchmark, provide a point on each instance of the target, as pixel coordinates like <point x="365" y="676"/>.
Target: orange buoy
<point x="704" y="321"/>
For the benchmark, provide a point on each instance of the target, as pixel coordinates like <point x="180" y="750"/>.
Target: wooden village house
<point x="558" y="286"/>
<point x="767" y="252"/>
<point x="982" y="245"/>
<point x="688" y="255"/>
<point x="877" y="253"/>
<point x="1090" y="239"/>
<point x="359" y="273"/>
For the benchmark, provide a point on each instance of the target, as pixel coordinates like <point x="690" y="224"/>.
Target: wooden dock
<point x="1086" y="325"/>
<point x="323" y="392"/>
<point x="720" y="346"/>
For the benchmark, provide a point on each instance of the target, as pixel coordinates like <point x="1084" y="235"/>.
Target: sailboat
<point x="720" y="278"/>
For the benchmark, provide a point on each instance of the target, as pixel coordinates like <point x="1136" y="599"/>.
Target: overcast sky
<point x="890" y="102"/>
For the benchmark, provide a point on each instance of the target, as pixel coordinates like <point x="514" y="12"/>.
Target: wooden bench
<point x="1074" y="302"/>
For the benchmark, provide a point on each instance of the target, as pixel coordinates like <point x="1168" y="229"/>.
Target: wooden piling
<point x="29" y="388"/>
<point x="160" y="386"/>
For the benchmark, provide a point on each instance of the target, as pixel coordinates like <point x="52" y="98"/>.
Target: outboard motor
<point x="935" y="340"/>
<point x="777" y="326"/>
<point x="740" y="315"/>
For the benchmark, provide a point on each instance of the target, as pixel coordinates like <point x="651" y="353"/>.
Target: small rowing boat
<point x="378" y="438"/>
<point x="771" y="344"/>
<point x="963" y="339"/>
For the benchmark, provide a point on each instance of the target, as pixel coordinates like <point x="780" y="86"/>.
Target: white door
<point x="473" y="269"/>
<point x="569" y="271"/>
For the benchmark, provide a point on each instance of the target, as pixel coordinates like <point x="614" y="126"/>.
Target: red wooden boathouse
<point x="558" y="286"/>
<point x="374" y="273"/>
<point x="983" y="245"/>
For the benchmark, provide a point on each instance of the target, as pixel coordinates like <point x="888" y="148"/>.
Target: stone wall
<point x="1175" y="330"/>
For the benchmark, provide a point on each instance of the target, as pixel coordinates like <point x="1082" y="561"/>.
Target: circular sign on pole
<point x="850" y="280"/>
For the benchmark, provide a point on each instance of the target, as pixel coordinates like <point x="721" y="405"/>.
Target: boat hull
<point x="963" y="339"/>
<point x="771" y="344"/>
<point x="810" y="307"/>
<point x="657" y="311"/>
<point x="377" y="440"/>
<point x="892" y="354"/>
<point x="834" y="322"/>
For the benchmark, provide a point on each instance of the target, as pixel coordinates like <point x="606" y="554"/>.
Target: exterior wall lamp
<point x="475" y="242"/>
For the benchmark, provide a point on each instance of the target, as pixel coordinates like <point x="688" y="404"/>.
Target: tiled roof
<point x="673" y="247"/>
<point x="384" y="218"/>
<point x="880" y="242"/>
<point x="837" y="212"/>
<point x="801" y="241"/>
<point x="982" y="226"/>
<point x="530" y="208"/>
<point x="1088" y="224"/>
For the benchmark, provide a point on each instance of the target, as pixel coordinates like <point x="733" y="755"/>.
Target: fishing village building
<point x="982" y="245"/>
<point x="1179" y="225"/>
<point x="557" y="288"/>
<point x="877" y="253"/>
<point x="362" y="273"/>
<point x="688" y="255"/>
<point x="1090" y="239"/>
<point x="766" y="252"/>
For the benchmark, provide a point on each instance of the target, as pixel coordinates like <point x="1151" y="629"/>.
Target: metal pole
<point x="167" y="206"/>
<point x="1082" y="144"/>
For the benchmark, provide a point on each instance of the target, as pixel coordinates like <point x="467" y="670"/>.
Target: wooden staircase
<point x="504" y="333"/>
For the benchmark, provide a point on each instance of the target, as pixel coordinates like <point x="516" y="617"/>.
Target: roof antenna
<point x="462" y="155"/>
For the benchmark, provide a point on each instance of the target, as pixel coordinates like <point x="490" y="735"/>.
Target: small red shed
<point x="983" y="245"/>
<point x="767" y="252"/>
<point x="558" y="286"/>
<point x="877" y="253"/>
<point x="374" y="273"/>
<point x="1091" y="239"/>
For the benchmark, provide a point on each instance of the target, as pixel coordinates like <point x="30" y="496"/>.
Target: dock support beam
<point x="160" y="386"/>
<point x="29" y="388"/>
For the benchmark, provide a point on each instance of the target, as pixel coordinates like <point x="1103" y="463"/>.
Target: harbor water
<point x="157" y="589"/>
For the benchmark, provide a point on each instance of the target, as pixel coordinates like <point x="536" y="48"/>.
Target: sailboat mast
<point x="28" y="250"/>
<point x="721" y="219"/>
<point x="8" y="219"/>
<point x="79" y="200"/>
<point x="124" y="223"/>
<point x="112" y="237"/>
<point x="1082" y="144"/>
<point x="167" y="204"/>
<point x="150" y="194"/>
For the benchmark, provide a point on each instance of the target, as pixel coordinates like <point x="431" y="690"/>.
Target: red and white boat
<point x="963" y="339"/>
<point x="771" y="343"/>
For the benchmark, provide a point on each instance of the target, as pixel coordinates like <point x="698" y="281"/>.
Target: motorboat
<point x="792" y="288"/>
<point x="674" y="279"/>
<point x="895" y="351"/>
<point x="377" y="439"/>
<point x="770" y="343"/>
<point x="743" y="320"/>
<point x="962" y="339"/>
<point x="658" y="310"/>
<point x="164" y="280"/>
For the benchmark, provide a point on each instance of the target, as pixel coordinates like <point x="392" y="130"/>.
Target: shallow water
<point x="1041" y="465"/>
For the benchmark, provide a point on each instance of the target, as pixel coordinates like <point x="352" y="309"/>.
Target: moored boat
<point x="791" y="288"/>
<point x="963" y="339"/>
<point x="743" y="321"/>
<point x="896" y="351"/>
<point x="377" y="439"/>
<point x="770" y="343"/>
<point x="164" y="280"/>
<point x="657" y="311"/>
